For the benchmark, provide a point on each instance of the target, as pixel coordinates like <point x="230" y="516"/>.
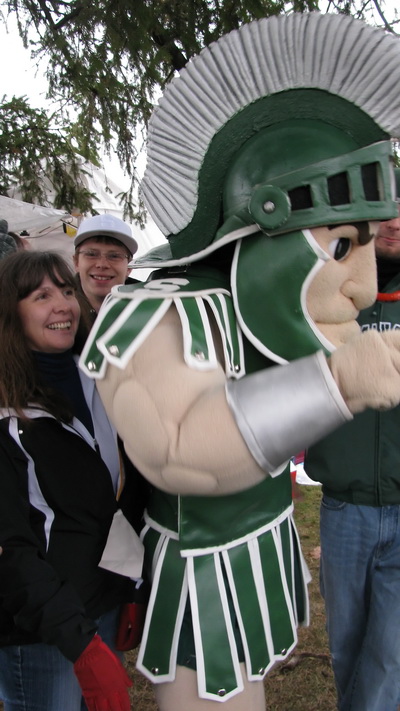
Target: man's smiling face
<point x="99" y="275"/>
<point x="387" y="240"/>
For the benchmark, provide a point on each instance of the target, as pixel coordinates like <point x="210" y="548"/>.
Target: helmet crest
<point x="327" y="72"/>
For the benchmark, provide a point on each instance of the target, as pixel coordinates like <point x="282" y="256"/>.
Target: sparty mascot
<point x="269" y="168"/>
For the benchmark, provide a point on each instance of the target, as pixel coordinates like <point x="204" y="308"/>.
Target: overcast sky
<point x="22" y="77"/>
<point x="25" y="79"/>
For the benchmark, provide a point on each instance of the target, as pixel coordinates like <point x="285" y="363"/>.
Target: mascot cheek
<point x="269" y="282"/>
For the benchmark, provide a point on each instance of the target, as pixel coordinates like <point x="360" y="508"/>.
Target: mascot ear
<point x="269" y="207"/>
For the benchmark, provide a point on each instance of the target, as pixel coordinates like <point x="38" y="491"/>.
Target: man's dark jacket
<point x="360" y="462"/>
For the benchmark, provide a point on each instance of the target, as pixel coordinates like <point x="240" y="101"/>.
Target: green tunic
<point x="228" y="577"/>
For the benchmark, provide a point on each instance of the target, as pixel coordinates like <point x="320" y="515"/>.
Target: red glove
<point x="130" y="626"/>
<point x="102" y="678"/>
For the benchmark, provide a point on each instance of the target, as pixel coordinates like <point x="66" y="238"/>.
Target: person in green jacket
<point x="359" y="468"/>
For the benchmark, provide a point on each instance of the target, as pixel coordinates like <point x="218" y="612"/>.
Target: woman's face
<point x="50" y="317"/>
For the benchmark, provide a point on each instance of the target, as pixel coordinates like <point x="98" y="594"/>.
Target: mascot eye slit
<point x="340" y="248"/>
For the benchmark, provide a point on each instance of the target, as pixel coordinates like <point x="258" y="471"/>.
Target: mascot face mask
<point x="309" y="291"/>
<point x="315" y="279"/>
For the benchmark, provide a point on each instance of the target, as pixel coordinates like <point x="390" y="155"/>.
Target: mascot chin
<point x="269" y="168"/>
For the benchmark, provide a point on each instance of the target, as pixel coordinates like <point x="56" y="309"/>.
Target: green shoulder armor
<point x="131" y="312"/>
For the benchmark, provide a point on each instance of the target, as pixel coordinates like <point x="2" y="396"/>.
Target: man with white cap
<point x="104" y="245"/>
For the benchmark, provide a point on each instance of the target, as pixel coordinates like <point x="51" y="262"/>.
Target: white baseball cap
<point x="106" y="226"/>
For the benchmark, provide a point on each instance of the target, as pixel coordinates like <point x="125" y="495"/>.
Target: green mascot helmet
<point x="305" y="173"/>
<point x="270" y="184"/>
<point x="280" y="126"/>
<point x="299" y="69"/>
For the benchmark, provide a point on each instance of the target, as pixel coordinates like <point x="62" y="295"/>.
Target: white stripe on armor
<point x="122" y="361"/>
<point x="151" y="523"/>
<point x="226" y="336"/>
<point x="276" y="533"/>
<point x="209" y="362"/>
<point x="157" y="563"/>
<point x="192" y="552"/>
<point x="258" y="577"/>
<point x="201" y="673"/>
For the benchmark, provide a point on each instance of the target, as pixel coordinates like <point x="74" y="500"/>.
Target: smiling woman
<point x="50" y="316"/>
<point x="59" y="477"/>
<point x="40" y="313"/>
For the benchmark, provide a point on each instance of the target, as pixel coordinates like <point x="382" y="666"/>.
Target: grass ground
<point x="305" y="681"/>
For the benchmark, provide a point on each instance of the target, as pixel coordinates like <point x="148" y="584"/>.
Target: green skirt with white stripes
<point x="239" y="597"/>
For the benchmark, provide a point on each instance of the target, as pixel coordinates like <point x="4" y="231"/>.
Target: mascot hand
<point x="367" y="370"/>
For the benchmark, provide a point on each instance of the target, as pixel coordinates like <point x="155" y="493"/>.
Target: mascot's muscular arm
<point x="174" y="421"/>
<point x="191" y="433"/>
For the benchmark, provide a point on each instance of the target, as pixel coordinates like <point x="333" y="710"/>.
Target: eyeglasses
<point x="93" y="254"/>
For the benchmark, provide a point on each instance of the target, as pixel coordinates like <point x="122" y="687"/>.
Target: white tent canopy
<point x="50" y="229"/>
<point x="22" y="216"/>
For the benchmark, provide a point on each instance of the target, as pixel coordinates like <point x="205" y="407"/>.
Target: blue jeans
<point x="360" y="582"/>
<point x="37" y="677"/>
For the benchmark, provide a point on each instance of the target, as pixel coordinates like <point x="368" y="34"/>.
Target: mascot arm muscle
<point x="190" y="432"/>
<point x="175" y="421"/>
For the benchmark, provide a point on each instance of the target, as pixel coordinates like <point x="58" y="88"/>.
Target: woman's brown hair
<point x="20" y="274"/>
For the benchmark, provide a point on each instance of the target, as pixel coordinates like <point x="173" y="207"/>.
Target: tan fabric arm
<point x="175" y="422"/>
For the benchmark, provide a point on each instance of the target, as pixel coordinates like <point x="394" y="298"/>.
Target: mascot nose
<point x="361" y="287"/>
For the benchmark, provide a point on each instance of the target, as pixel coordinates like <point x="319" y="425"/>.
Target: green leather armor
<point x="236" y="558"/>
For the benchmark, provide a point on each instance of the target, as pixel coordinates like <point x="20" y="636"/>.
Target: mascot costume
<point x="269" y="165"/>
